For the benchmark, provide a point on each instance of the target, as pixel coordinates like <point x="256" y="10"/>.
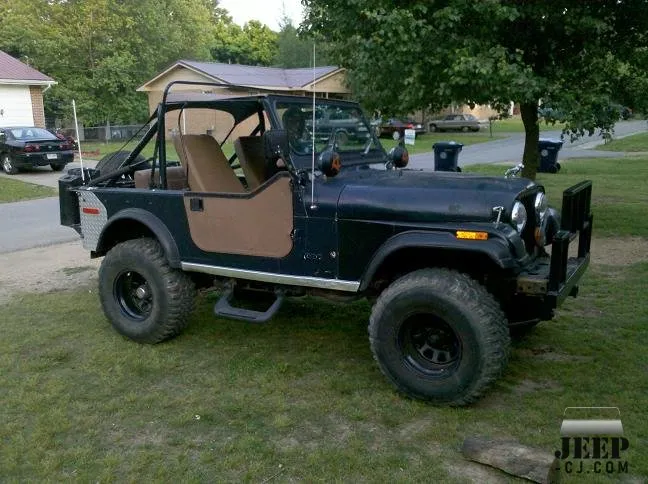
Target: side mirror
<point x="329" y="163"/>
<point x="275" y="144"/>
<point x="399" y="156"/>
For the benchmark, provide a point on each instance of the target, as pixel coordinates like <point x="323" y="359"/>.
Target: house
<point x="328" y="82"/>
<point x="21" y="93"/>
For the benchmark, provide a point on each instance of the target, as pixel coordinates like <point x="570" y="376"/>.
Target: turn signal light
<point x="470" y="235"/>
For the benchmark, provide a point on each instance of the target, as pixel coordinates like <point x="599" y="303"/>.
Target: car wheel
<point x="396" y="135"/>
<point x="8" y="166"/>
<point x="56" y="167"/>
<point x="439" y="336"/>
<point x="433" y="128"/>
<point x="144" y="299"/>
<point x="113" y="161"/>
<point x="464" y="129"/>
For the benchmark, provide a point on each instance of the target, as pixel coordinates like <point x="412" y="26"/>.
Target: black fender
<point x="150" y="221"/>
<point x="496" y="248"/>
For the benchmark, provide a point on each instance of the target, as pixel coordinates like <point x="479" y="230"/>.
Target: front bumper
<point x="556" y="278"/>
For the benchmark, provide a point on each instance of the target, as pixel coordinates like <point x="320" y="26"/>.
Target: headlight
<point x="519" y="216"/>
<point x="541" y="205"/>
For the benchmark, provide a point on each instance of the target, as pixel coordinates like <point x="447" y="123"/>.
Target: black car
<point x="29" y="146"/>
<point x="452" y="262"/>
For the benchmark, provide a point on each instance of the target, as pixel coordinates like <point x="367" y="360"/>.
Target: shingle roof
<point x="14" y="70"/>
<point x="260" y="76"/>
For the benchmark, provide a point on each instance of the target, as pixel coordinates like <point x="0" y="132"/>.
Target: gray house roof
<point x="12" y="71"/>
<point x="267" y="76"/>
<point x="254" y="76"/>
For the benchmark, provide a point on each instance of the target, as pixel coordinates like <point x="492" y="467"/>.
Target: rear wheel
<point x="144" y="298"/>
<point x="433" y="128"/>
<point x="56" y="167"/>
<point x="7" y="165"/>
<point x="439" y="336"/>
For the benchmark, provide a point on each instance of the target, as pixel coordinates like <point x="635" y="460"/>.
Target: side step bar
<point x="223" y="308"/>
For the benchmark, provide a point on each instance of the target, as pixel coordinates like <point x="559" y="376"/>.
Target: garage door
<point x="15" y="106"/>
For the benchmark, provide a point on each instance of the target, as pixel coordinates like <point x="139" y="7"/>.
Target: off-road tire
<point x="113" y="161"/>
<point x="460" y="303"/>
<point x="172" y="291"/>
<point x="7" y="165"/>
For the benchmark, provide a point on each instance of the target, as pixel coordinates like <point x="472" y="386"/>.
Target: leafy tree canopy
<point x="580" y="58"/>
<point x="100" y="51"/>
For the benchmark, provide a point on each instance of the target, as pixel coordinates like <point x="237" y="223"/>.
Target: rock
<point x="520" y="460"/>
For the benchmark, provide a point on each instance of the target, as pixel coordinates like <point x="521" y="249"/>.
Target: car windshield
<point x="31" y="133"/>
<point x="335" y="124"/>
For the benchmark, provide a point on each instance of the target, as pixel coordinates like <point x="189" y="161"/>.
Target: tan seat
<point x="176" y="178"/>
<point x="249" y="151"/>
<point x="207" y="167"/>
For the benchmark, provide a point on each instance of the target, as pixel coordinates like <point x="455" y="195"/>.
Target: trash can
<point x="446" y="155"/>
<point x="548" y="150"/>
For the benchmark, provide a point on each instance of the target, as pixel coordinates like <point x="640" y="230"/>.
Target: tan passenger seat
<point x="249" y="151"/>
<point x="207" y="167"/>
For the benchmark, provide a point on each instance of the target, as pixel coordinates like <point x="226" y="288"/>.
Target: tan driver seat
<point x="207" y="167"/>
<point x="249" y="151"/>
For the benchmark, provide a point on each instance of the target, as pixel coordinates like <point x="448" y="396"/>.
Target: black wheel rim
<point x="429" y="345"/>
<point x="134" y="295"/>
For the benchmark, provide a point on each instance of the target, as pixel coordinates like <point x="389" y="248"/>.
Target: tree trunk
<point x="530" y="158"/>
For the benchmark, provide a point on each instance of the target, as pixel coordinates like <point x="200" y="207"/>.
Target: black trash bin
<point x="446" y="155"/>
<point x="548" y="150"/>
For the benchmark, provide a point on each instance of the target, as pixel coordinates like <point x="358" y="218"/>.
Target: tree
<point x="100" y="51"/>
<point x="253" y="44"/>
<point x="294" y="49"/>
<point x="579" y="58"/>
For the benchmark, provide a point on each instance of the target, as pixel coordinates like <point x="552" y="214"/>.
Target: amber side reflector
<point x="469" y="235"/>
<point x="90" y="210"/>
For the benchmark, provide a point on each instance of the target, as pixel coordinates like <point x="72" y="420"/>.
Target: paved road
<point x="35" y="223"/>
<point x="510" y="149"/>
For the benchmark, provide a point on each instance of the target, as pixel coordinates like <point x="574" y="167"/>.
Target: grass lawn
<point x="514" y="125"/>
<point x="301" y="399"/>
<point x="636" y="142"/>
<point x="16" y="190"/>
<point x="425" y="141"/>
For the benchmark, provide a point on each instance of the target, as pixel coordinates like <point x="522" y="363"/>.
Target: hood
<point x="426" y="197"/>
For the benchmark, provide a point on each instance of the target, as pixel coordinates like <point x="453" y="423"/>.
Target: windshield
<point x="31" y="133"/>
<point x="335" y="124"/>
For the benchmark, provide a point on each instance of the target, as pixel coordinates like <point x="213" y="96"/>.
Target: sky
<point x="265" y="11"/>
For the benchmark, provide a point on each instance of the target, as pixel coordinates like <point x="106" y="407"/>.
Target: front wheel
<point x="144" y="299"/>
<point x="439" y="336"/>
<point x="7" y="165"/>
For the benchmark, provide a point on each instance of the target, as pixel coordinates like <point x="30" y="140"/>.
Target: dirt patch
<point x="529" y="386"/>
<point x="46" y="269"/>
<point x="548" y="354"/>
<point x="621" y="251"/>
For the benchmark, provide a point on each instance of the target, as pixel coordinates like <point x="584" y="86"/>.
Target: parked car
<point x="29" y="146"/>
<point x="456" y="122"/>
<point x="395" y="128"/>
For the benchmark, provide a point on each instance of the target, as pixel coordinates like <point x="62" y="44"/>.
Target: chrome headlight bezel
<point x="519" y="216"/>
<point x="541" y="205"/>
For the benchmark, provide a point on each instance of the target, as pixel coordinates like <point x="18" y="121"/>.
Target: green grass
<point x="301" y="399"/>
<point x="16" y="190"/>
<point x="424" y="142"/>
<point x="619" y="191"/>
<point x="635" y="142"/>
<point x="514" y="125"/>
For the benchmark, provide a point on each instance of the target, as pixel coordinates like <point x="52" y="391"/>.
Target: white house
<point x="21" y="93"/>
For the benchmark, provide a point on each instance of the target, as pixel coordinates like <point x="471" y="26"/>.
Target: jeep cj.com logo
<point x="592" y="446"/>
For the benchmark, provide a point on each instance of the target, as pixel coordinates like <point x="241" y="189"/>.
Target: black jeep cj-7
<point x="453" y="262"/>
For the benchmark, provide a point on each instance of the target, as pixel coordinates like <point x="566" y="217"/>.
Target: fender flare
<point x="495" y="248"/>
<point x="151" y="222"/>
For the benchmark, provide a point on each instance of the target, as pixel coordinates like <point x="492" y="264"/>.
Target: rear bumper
<point x="41" y="159"/>
<point x="556" y="278"/>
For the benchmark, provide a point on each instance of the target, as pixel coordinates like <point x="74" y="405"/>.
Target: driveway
<point x="510" y="149"/>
